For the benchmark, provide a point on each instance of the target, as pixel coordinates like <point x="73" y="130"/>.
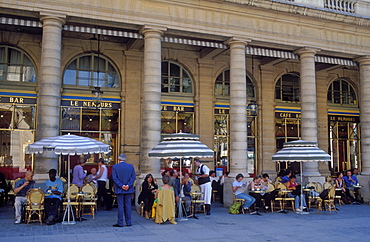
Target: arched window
<point x="91" y="70"/>
<point x="288" y="88"/>
<point x="342" y="92"/>
<point x="16" y="65"/>
<point x="222" y="85"/>
<point x="175" y="79"/>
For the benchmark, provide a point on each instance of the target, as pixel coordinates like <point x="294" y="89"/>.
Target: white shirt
<point x="104" y="176"/>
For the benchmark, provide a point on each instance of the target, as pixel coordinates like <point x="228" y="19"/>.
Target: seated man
<point x="286" y="178"/>
<point x="185" y="194"/>
<point x="215" y="183"/>
<point x="20" y="190"/>
<point x="52" y="202"/>
<point x="90" y="177"/>
<point x="354" y="192"/>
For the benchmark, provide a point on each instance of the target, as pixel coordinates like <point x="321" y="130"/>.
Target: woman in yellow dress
<point x="165" y="197"/>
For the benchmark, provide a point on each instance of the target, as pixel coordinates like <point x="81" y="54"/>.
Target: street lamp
<point x="253" y="107"/>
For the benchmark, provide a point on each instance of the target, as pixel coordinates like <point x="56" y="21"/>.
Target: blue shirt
<point x="285" y="179"/>
<point x="56" y="185"/>
<point x="23" y="192"/>
<point x="350" y="183"/>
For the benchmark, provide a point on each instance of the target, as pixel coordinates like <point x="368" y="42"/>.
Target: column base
<point x="364" y="180"/>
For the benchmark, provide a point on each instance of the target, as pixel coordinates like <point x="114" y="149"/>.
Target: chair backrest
<point x="63" y="179"/>
<point x="331" y="193"/>
<point x="35" y="198"/>
<point x="318" y="187"/>
<point x="327" y="185"/>
<point x="13" y="182"/>
<point x="195" y="188"/>
<point x="270" y="188"/>
<point x="93" y="185"/>
<point x="281" y="186"/>
<point x="87" y="188"/>
<point x="73" y="189"/>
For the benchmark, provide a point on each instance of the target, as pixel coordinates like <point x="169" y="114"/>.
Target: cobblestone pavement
<point x="352" y="223"/>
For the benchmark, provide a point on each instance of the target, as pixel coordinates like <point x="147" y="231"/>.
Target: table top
<point x="359" y="186"/>
<point x="257" y="191"/>
<point x="81" y="193"/>
<point x="286" y="190"/>
<point x="307" y="189"/>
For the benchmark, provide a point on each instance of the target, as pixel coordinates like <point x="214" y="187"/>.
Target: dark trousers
<point x="124" y="206"/>
<point x="102" y="192"/>
<point x="51" y="206"/>
<point x="258" y="198"/>
<point x="148" y="203"/>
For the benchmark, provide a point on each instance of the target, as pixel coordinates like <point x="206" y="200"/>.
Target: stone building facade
<point x="126" y="72"/>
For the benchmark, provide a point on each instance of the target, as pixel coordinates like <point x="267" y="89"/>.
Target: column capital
<point x="153" y="29"/>
<point x="363" y="60"/>
<point x="50" y="16"/>
<point x="238" y="41"/>
<point x="311" y="51"/>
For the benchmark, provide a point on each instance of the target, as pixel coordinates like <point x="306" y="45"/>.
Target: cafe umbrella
<point x="301" y="151"/>
<point x="68" y="145"/>
<point x="180" y="145"/>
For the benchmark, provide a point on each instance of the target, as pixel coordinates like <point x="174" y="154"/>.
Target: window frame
<point x="92" y="80"/>
<point x="181" y="78"/>
<point x="331" y="89"/>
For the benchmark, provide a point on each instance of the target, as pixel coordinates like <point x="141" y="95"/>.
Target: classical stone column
<point x="364" y="63"/>
<point x="238" y="101"/>
<point x="49" y="83"/>
<point x="266" y="125"/>
<point x="151" y="99"/>
<point x="308" y="104"/>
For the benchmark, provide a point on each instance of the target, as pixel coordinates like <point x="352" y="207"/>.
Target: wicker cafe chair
<point x="270" y="188"/>
<point x="241" y="201"/>
<point x="89" y="201"/>
<point x="329" y="202"/>
<point x="35" y="204"/>
<point x="311" y="198"/>
<point x="283" y="197"/>
<point x="74" y="190"/>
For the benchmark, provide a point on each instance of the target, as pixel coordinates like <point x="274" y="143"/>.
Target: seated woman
<point x="296" y="193"/>
<point x="148" y="189"/>
<point x="256" y="185"/>
<point x="238" y="188"/>
<point x="165" y="203"/>
<point x="340" y="183"/>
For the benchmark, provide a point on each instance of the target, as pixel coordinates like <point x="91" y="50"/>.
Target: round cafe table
<point x="194" y="195"/>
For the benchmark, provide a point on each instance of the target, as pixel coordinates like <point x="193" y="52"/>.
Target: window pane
<point x="175" y="70"/>
<point x="84" y="78"/>
<point x="85" y="62"/>
<point x="109" y="120"/>
<point x="14" y="73"/>
<point x="6" y="111"/>
<point x="165" y="68"/>
<point x="29" y="74"/>
<point x="24" y="117"/>
<point x="14" y="56"/>
<point x="69" y="77"/>
<point x="113" y="80"/>
<point x="90" y="120"/>
<point x="186" y="86"/>
<point x="164" y="86"/>
<point x="70" y="118"/>
<point x="99" y="79"/>
<point x="2" y="71"/>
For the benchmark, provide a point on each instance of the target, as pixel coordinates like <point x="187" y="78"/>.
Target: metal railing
<point x="340" y="5"/>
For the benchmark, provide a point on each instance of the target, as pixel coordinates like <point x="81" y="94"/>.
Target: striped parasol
<point x="301" y="151"/>
<point x="68" y="144"/>
<point x="180" y="145"/>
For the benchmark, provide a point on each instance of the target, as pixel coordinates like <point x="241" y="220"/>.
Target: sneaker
<point x="298" y="210"/>
<point x="18" y="221"/>
<point x="253" y="213"/>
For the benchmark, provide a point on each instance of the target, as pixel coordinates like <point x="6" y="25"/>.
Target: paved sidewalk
<point x="352" y="223"/>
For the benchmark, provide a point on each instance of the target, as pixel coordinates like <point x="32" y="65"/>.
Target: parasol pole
<point x="180" y="216"/>
<point x="69" y="208"/>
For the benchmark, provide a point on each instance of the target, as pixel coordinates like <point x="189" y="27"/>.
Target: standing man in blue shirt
<point x="20" y="190"/>
<point x="53" y="196"/>
<point x="124" y="177"/>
